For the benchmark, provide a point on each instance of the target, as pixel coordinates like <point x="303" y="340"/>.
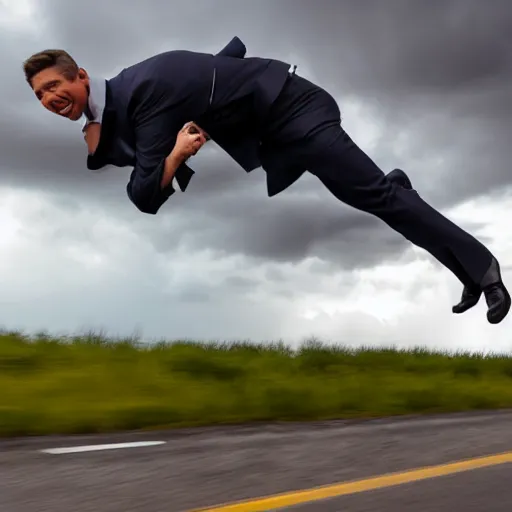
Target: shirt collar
<point x="96" y="101"/>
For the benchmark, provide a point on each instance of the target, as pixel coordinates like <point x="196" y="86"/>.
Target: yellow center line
<point x="341" y="489"/>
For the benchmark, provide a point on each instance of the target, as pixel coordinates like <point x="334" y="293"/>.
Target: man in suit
<point x="156" y="114"/>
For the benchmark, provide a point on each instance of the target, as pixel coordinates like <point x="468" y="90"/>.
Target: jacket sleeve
<point x="154" y="141"/>
<point x="143" y="187"/>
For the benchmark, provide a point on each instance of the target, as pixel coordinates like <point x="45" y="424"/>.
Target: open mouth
<point x="66" y="110"/>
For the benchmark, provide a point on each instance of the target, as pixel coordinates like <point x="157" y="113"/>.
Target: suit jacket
<point x="226" y="94"/>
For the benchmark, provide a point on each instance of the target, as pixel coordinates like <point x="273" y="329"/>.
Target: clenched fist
<point x="189" y="141"/>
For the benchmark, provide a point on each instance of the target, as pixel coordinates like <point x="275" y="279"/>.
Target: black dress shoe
<point x="398" y="176"/>
<point x="496" y="295"/>
<point x="470" y="297"/>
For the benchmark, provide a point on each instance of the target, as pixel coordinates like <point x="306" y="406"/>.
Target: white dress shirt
<point x="96" y="103"/>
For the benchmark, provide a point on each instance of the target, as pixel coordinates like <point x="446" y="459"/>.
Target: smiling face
<point x="58" y="83"/>
<point x="64" y="97"/>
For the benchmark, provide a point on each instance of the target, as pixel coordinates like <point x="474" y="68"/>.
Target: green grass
<point x="93" y="384"/>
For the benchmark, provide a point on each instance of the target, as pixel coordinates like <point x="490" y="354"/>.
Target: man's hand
<point x="189" y="141"/>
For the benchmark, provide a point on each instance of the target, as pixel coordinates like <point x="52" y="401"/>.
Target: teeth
<point x="65" y="110"/>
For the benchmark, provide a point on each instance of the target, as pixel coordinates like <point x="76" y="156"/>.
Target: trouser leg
<point x="305" y="123"/>
<point x="352" y="177"/>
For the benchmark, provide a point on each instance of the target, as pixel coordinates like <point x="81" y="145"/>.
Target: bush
<point x="93" y="384"/>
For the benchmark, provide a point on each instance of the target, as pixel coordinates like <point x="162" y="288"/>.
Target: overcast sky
<point x="422" y="84"/>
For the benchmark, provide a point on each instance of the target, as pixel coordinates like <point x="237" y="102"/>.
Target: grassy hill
<point x="94" y="384"/>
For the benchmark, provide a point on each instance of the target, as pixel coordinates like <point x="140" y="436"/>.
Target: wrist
<point x="172" y="163"/>
<point x="176" y="157"/>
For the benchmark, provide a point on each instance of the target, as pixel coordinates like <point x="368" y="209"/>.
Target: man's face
<point x="64" y="97"/>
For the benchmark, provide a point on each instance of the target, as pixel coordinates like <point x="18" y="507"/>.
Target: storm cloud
<point x="422" y="85"/>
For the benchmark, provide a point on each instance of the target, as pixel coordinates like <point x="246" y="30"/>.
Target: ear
<point x="82" y="74"/>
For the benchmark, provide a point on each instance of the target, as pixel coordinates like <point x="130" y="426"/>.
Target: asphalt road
<point x="206" y="467"/>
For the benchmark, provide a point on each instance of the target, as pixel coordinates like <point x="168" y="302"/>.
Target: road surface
<point x="212" y="467"/>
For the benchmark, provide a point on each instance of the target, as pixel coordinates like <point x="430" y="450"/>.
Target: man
<point x="156" y="114"/>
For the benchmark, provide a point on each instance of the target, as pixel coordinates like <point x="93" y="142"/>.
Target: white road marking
<point x="100" y="447"/>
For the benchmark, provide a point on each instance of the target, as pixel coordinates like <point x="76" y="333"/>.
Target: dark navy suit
<point x="149" y="102"/>
<point x="261" y="115"/>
